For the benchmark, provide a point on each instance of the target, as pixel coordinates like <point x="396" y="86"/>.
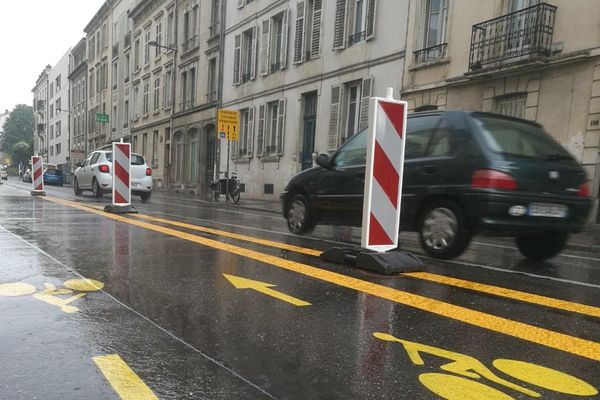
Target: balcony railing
<point x="524" y="33"/>
<point x="187" y="104"/>
<point x="357" y="37"/>
<point x="430" y="53"/>
<point x="190" y="44"/>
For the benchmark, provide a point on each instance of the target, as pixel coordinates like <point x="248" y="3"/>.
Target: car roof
<point x="110" y="151"/>
<point x="469" y="113"/>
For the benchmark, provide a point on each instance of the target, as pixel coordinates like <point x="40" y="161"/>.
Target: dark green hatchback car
<point x="465" y="173"/>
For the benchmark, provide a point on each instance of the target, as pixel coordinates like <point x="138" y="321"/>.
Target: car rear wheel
<point x="145" y="196"/>
<point x="541" y="246"/>
<point x="443" y="230"/>
<point x="76" y="189"/>
<point x="96" y="191"/>
<point x="298" y="215"/>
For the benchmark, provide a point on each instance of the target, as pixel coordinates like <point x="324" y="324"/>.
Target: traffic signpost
<point x="121" y="180"/>
<point x="228" y="123"/>
<point x="382" y="193"/>
<point x="37" y="176"/>
<point x="102" y="118"/>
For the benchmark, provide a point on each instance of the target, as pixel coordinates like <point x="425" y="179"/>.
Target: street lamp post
<point x="171" y="117"/>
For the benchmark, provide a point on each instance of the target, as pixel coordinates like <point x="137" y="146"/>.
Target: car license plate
<point x="547" y="210"/>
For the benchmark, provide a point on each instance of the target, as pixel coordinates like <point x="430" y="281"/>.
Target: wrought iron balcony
<point x="518" y="35"/>
<point x="430" y="53"/>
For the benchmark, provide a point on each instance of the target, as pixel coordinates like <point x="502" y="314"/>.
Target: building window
<point x="51" y="110"/>
<point x="354" y="22"/>
<point x="126" y="114"/>
<point x="244" y="139"/>
<point x="156" y="93"/>
<point x="215" y="18"/>
<point x="91" y="48"/>
<point x="168" y="88"/>
<point x="276" y="51"/>
<point x="146" y="101"/>
<point x="155" y="149"/>
<point x="147" y="39"/>
<point x="134" y="145"/>
<point x="127" y="67"/>
<point x="115" y="75"/>
<point x="188" y="86"/>
<point x="211" y="84"/>
<point x="136" y="53"/>
<point x="58" y="128"/>
<point x="51" y="131"/>
<point x="434" y="31"/>
<point x="273" y="114"/>
<point x="58" y="104"/>
<point x="170" y="26"/>
<point x="271" y="128"/>
<point x="352" y="110"/>
<point x="158" y="38"/>
<point x="145" y="145"/>
<point x="307" y="40"/>
<point x="248" y="55"/>
<point x="58" y="83"/>
<point x="58" y="148"/>
<point x="349" y="110"/>
<point x="136" y="102"/>
<point x="113" y="118"/>
<point x="512" y="105"/>
<point x="190" y="20"/>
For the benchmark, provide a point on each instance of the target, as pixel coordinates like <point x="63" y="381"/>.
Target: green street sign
<point x="102" y="118"/>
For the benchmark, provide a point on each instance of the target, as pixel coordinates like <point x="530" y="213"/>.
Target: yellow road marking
<point x="509" y="293"/>
<point x="489" y="289"/>
<point x="560" y="341"/>
<point x="125" y="382"/>
<point x="262" y="287"/>
<point x="231" y="235"/>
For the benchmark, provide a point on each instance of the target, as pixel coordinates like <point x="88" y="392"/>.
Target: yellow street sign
<point x="228" y="124"/>
<point x="262" y="287"/>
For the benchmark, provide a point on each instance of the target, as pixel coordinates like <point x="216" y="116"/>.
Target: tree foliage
<point x="17" y="133"/>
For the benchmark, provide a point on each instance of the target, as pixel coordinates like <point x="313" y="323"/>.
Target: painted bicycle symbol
<point x="470" y="370"/>
<point x="74" y="289"/>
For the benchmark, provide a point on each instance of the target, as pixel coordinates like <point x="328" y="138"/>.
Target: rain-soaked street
<point x="195" y="300"/>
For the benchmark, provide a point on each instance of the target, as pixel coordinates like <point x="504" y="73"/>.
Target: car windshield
<point x="135" y="159"/>
<point x="519" y="139"/>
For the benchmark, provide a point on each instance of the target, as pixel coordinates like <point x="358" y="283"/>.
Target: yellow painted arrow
<point x="262" y="287"/>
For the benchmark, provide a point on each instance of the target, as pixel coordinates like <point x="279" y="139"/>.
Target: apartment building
<point x="153" y="58"/>
<point x="193" y="146"/>
<point x="58" y="115"/>
<point x="40" y="110"/>
<point x="78" y="101"/>
<point x="99" y="56"/>
<point x="524" y="58"/>
<point x="3" y="117"/>
<point x="301" y="72"/>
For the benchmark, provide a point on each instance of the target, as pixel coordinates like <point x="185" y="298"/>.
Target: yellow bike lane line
<point x="525" y="297"/>
<point x="545" y="337"/>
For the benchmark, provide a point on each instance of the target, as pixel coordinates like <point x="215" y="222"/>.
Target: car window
<point x="95" y="158"/>
<point x="87" y="160"/>
<point x="136" y="159"/>
<point x="354" y="151"/>
<point x="520" y="139"/>
<point x="419" y="131"/>
<point x="441" y="142"/>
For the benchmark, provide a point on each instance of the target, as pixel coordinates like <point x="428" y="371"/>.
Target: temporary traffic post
<point x="37" y="176"/>
<point x="121" y="180"/>
<point x="382" y="193"/>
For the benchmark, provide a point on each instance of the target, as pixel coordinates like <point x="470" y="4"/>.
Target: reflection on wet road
<point x="198" y="301"/>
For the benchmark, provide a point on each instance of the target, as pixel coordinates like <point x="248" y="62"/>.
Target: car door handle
<point x="429" y="169"/>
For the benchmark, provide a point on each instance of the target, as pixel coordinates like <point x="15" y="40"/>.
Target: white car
<point x="3" y="175"/>
<point x="95" y="174"/>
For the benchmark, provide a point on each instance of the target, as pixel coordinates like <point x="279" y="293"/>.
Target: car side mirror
<point x="324" y="161"/>
<point x="78" y="164"/>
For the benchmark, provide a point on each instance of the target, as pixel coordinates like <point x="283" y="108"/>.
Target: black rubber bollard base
<point x="114" y="209"/>
<point x="38" y="193"/>
<point x="388" y="263"/>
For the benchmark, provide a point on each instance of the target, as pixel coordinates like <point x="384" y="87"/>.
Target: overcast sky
<point x="34" y="34"/>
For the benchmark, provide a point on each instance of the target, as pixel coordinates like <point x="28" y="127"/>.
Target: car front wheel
<point x="76" y="189"/>
<point x="443" y="230"/>
<point x="541" y="246"/>
<point x="145" y="196"/>
<point x="298" y="215"/>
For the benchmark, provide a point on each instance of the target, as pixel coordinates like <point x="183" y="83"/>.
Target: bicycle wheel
<point x="235" y="194"/>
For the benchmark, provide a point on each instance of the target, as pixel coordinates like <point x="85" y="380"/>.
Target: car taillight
<point x="490" y="179"/>
<point x="584" y="190"/>
<point x="104" y="168"/>
<point x="148" y="171"/>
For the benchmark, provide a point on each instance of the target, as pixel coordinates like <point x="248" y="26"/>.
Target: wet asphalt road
<point x="490" y="325"/>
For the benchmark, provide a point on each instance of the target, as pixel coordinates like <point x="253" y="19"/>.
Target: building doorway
<point x="309" y="128"/>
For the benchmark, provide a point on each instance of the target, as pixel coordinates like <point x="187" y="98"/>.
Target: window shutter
<point x="250" y="131"/>
<point x="339" y="34"/>
<point x="240" y="3"/>
<point x="284" y="38"/>
<point x="315" y="47"/>
<point x="334" y="117"/>
<point x="281" y="126"/>
<point x="236" y="59"/>
<point x="264" y="47"/>
<point x="367" y="92"/>
<point x="254" y="53"/>
<point x="261" y="131"/>
<point x="371" y="10"/>
<point x="299" y="38"/>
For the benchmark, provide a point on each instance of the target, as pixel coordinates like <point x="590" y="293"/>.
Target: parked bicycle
<point x="220" y="187"/>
